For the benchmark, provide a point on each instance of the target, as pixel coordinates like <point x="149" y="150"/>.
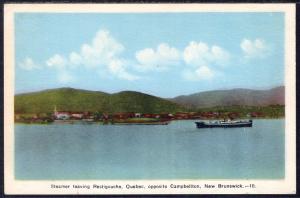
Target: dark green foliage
<point x="68" y="99"/>
<point x="271" y="111"/>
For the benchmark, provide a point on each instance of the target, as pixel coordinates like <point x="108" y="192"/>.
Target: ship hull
<point x="223" y="125"/>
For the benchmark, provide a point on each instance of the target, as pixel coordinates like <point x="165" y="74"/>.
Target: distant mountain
<point x="76" y="100"/>
<point x="241" y="97"/>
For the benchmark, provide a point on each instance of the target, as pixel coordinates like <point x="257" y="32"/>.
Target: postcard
<point x="149" y="99"/>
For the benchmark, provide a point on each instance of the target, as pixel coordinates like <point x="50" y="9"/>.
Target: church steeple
<point x="55" y="110"/>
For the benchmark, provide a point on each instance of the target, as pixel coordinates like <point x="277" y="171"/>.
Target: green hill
<point x="68" y="99"/>
<point x="233" y="97"/>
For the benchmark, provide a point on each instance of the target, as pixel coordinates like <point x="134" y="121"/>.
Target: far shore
<point x="158" y="118"/>
<point x="124" y="122"/>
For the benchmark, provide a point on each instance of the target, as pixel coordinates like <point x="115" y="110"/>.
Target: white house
<point x="61" y="115"/>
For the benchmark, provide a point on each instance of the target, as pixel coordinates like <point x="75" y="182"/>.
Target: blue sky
<point x="163" y="54"/>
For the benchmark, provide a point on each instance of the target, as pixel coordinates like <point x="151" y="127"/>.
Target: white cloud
<point x="202" y="57"/>
<point x="254" y="49"/>
<point x="65" y="77"/>
<point x="75" y="59"/>
<point x="60" y="64"/>
<point x="57" y="61"/>
<point x="28" y="64"/>
<point x="117" y="68"/>
<point x="101" y="51"/>
<point x="102" y="54"/>
<point x="221" y="56"/>
<point x="160" y="59"/>
<point x="201" y="73"/>
<point x="196" y="54"/>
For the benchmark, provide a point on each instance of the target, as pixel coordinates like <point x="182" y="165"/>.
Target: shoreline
<point x="166" y="122"/>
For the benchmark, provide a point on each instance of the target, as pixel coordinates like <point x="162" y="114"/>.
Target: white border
<point x="284" y="186"/>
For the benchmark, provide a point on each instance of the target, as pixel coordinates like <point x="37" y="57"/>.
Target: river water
<point x="175" y="151"/>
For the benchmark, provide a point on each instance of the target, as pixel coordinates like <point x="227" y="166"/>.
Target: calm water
<point x="175" y="151"/>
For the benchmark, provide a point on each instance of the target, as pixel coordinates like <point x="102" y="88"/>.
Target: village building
<point x="181" y="115"/>
<point x="149" y="115"/>
<point x="138" y="115"/>
<point x="124" y="115"/>
<point x="166" y="116"/>
<point x="61" y="115"/>
<point x="77" y="115"/>
<point x="256" y="114"/>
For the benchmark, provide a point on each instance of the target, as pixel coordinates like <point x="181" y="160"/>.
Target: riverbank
<point x="128" y="122"/>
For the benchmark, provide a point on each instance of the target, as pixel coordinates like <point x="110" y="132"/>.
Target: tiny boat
<point x="224" y="124"/>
